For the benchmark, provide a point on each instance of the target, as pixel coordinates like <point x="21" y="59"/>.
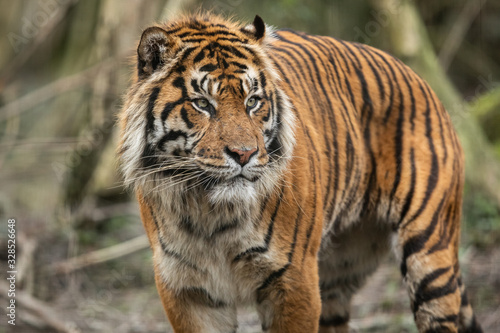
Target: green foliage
<point x="481" y="221"/>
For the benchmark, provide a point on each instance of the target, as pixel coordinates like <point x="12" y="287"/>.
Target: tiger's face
<point x="208" y="114"/>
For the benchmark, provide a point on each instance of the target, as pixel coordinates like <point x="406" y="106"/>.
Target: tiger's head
<point x="206" y="112"/>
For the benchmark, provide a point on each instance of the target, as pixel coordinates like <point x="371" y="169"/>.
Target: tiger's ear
<point x="152" y="51"/>
<point x="257" y="29"/>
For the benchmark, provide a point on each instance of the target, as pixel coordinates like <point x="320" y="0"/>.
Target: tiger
<point x="276" y="169"/>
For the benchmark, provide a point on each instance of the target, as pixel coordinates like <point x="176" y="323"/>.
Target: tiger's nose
<point x="242" y="156"/>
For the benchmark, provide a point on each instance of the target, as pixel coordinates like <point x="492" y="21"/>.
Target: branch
<point x="10" y="71"/>
<point x="25" y="266"/>
<point x="100" y="256"/>
<point x="410" y="41"/>
<point x="41" y="309"/>
<point x="458" y="30"/>
<point x="58" y="87"/>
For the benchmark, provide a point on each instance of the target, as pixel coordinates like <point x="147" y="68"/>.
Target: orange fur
<point x="345" y="148"/>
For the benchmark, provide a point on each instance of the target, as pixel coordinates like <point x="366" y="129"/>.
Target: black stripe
<point x="170" y="136"/>
<point x="179" y="69"/>
<point x="349" y="165"/>
<point x="399" y="138"/>
<point x="465" y="300"/>
<point x="424" y="285"/>
<point x="444" y="239"/>
<point x="416" y="243"/>
<point x="179" y="83"/>
<point x="262" y="78"/>
<point x="367" y="105"/>
<point x="398" y="151"/>
<point x="240" y="66"/>
<point x="277" y="274"/>
<point x="207" y="34"/>
<point x="333" y="43"/>
<point x="350" y="54"/>
<point x="201" y="296"/>
<point x="264" y="248"/>
<point x="184" y="116"/>
<point x="209" y="68"/>
<point x="275" y="148"/>
<point x="177" y="256"/>
<point x="302" y="77"/>
<point x="148" y="153"/>
<point x="334" y="321"/>
<point x="432" y="179"/>
<point x="413" y="108"/>
<point x="313" y="61"/>
<point x="199" y="57"/>
<point x="312" y="170"/>
<point x="283" y="76"/>
<point x="375" y="72"/>
<point x="425" y="294"/>
<point x="173" y="30"/>
<point x="439" y="114"/>
<point x="409" y="197"/>
<point x="270" y="279"/>
<point x="234" y="51"/>
<point x="271" y="107"/>
<point x="187" y="225"/>
<point x="295" y="232"/>
<point x="448" y="319"/>
<point x="226" y="227"/>
<point x="203" y="79"/>
<point x="330" y="203"/>
<point x="195" y="86"/>
<point x="150" y="118"/>
<point x="169" y="107"/>
<point x="346" y="116"/>
<point x="186" y="54"/>
<point x="166" y="251"/>
<point x="383" y="56"/>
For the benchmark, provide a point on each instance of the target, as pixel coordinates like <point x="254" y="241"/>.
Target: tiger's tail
<point x="467" y="320"/>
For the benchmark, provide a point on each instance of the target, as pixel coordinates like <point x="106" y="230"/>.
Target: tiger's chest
<point x="227" y="260"/>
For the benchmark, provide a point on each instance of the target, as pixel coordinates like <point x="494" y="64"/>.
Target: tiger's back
<point x="399" y="165"/>
<point x="381" y="119"/>
<point x="341" y="151"/>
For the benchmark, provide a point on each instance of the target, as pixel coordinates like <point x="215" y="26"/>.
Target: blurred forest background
<point x="83" y="260"/>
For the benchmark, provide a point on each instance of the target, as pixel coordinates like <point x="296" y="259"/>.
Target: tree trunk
<point x="410" y="42"/>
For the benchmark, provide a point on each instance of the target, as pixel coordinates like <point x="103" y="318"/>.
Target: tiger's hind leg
<point x="428" y="244"/>
<point x="346" y="259"/>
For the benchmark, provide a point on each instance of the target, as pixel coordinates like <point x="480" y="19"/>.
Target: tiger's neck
<point x="192" y="211"/>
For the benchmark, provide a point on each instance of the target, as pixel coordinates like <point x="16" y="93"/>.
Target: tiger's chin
<point x="234" y="190"/>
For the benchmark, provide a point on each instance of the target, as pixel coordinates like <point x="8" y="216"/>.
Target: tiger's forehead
<point x="206" y="26"/>
<point x="216" y="56"/>
<point x="216" y="68"/>
<point x="220" y="82"/>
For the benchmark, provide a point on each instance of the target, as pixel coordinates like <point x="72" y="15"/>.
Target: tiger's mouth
<point x="242" y="178"/>
<point x="238" y="180"/>
<point x="208" y="179"/>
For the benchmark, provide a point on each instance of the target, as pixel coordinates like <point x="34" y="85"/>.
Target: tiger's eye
<point x="202" y="103"/>
<point x="251" y="102"/>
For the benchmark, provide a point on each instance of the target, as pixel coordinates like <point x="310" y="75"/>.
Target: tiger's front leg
<point x="194" y="310"/>
<point x="289" y="301"/>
